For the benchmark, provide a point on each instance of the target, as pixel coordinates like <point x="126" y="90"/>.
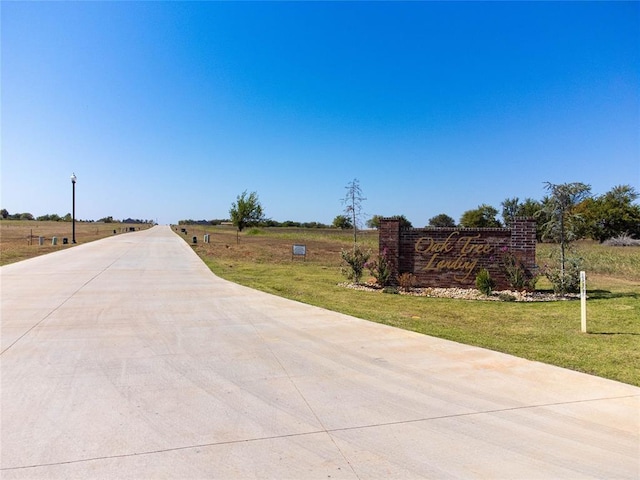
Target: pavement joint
<point x="62" y="303"/>
<point x="322" y="431"/>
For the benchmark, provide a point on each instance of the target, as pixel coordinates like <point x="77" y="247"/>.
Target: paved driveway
<point x="128" y="358"/>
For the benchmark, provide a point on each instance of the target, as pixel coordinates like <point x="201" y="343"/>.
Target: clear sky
<point x="169" y="110"/>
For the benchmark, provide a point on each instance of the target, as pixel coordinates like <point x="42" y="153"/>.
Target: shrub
<point x="570" y="281"/>
<point x="623" y="240"/>
<point x="406" y="281"/>
<point x="518" y="275"/>
<point x="507" y="297"/>
<point x="355" y="260"/>
<point x="391" y="290"/>
<point x="484" y="282"/>
<point x="380" y="269"/>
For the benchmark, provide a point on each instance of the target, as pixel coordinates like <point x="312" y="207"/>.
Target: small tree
<point x="353" y="205"/>
<point x="482" y="217"/>
<point x="374" y="222"/>
<point x="342" y="222"/>
<point x="246" y="211"/>
<point x="563" y="222"/>
<point x="442" y="220"/>
<point x="404" y="222"/>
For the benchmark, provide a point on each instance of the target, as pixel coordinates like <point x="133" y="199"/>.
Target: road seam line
<point x="64" y="301"/>
<point x="325" y="431"/>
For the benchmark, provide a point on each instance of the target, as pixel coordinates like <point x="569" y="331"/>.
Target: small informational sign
<point x="299" y="251"/>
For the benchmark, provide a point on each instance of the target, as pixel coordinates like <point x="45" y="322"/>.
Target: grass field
<point x="19" y="238"/>
<point x="548" y="332"/>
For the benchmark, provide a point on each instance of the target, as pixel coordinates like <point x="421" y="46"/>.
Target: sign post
<point x="583" y="301"/>
<point x="299" y="250"/>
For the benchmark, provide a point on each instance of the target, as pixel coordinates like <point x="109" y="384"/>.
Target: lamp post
<point x="73" y="214"/>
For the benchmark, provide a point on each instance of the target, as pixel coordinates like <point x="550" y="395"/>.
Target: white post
<point x="583" y="301"/>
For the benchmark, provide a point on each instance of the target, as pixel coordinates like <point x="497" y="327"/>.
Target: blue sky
<point x="169" y="110"/>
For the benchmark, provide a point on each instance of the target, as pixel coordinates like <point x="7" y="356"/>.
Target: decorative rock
<point x="467" y="293"/>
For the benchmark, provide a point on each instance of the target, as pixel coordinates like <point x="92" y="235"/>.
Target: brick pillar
<point x="389" y="240"/>
<point x="523" y="240"/>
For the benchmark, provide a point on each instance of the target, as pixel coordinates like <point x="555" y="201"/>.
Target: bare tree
<point x="352" y="202"/>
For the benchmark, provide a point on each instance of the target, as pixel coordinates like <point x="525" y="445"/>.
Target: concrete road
<point x="128" y="358"/>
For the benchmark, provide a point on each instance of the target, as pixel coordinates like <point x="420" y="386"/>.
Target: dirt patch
<point x="225" y="245"/>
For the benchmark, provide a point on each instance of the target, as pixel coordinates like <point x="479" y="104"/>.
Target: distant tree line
<point x="201" y="222"/>
<point x="582" y="215"/>
<point x="54" y="217"/>
<point x="267" y="222"/>
<point x="599" y="217"/>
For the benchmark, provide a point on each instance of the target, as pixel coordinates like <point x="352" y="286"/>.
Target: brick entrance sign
<point x="452" y="257"/>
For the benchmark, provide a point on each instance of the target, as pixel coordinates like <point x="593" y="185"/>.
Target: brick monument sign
<point x="452" y="257"/>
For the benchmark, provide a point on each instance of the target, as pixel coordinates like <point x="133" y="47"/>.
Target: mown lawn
<point x="548" y="332"/>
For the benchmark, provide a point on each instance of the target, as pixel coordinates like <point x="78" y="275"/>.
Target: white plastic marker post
<point x="583" y="300"/>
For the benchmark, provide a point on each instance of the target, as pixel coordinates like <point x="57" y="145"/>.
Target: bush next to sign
<point x="355" y="260"/>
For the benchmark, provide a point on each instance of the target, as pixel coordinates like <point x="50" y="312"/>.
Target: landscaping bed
<point x="465" y="293"/>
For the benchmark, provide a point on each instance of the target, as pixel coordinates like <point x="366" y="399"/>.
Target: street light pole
<point x="73" y="214"/>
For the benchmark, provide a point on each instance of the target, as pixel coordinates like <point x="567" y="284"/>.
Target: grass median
<point x="548" y="332"/>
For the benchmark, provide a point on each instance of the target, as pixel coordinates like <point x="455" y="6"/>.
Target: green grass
<point x="548" y="332"/>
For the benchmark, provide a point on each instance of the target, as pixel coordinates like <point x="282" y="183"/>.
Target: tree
<point x="559" y="207"/>
<point x="246" y="211"/>
<point x="353" y="205"/>
<point x="528" y="208"/>
<point x="374" y="222"/>
<point x="342" y="222"/>
<point x="611" y="214"/>
<point x="4" y="213"/>
<point x="510" y="210"/>
<point x="482" y="217"/>
<point x="404" y="223"/>
<point x="53" y="217"/>
<point x="442" y="220"/>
